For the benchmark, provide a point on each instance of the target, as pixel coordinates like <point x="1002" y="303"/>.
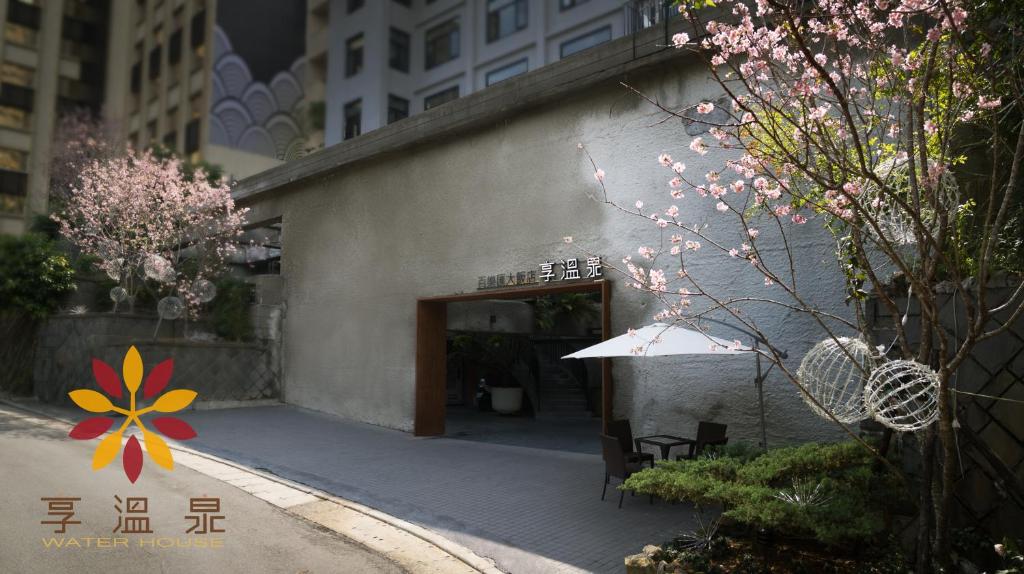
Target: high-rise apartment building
<point x="216" y="80"/>
<point x="378" y="61"/>
<point x="52" y="55"/>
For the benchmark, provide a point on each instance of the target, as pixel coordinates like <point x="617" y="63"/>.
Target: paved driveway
<point x="530" y="510"/>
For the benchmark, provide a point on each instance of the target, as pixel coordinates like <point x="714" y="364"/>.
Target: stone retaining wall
<point x="219" y="371"/>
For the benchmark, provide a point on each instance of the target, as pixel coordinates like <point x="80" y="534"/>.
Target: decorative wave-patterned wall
<point x="253" y="116"/>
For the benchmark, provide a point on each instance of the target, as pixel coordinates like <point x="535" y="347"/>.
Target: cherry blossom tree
<point x="144" y="219"/>
<point x="870" y="118"/>
<point x="80" y="138"/>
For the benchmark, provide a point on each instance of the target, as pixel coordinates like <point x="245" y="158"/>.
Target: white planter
<point x="506" y="400"/>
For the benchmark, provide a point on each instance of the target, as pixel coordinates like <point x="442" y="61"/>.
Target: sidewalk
<point x="529" y="510"/>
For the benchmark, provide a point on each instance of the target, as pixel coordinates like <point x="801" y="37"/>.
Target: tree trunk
<point x="926" y="508"/>
<point x="947" y="438"/>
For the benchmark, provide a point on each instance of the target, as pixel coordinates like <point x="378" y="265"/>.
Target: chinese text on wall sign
<point x="549" y="271"/>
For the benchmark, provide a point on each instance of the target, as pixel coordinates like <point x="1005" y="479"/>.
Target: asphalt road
<point x="38" y="460"/>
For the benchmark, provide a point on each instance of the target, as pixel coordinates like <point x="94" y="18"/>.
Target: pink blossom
<point x="679" y="40"/>
<point x="679" y="167"/>
<point x="675" y="182"/>
<point x="989" y="104"/>
<point x="665" y="159"/>
<point x="639" y="204"/>
<point x="567" y="239"/>
<point x="646" y="252"/>
<point x="721" y="206"/>
<point x="705" y="108"/>
<point x="753" y="233"/>
<point x="672" y="211"/>
<point x="799" y="219"/>
<point x="734" y="252"/>
<point x="599" y="175"/>
<point x="699" y="146"/>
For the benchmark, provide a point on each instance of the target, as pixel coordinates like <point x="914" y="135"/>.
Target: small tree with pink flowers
<point x="147" y="222"/>
<point x="872" y="118"/>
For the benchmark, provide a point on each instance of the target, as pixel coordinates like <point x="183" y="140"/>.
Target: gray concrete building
<point x="385" y="238"/>
<point x="379" y="61"/>
<point x="214" y="80"/>
<point x="51" y="58"/>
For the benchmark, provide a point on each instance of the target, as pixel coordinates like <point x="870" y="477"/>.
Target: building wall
<point x="227" y="91"/>
<point x="547" y="27"/>
<point x="360" y="245"/>
<point x="51" y="59"/>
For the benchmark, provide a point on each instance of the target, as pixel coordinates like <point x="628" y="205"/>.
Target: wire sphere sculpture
<point x="835" y="374"/>
<point x="895" y="225"/>
<point x="118" y="294"/>
<point x="158" y="269"/>
<point x="204" y="290"/>
<point x="903" y="395"/>
<point x="170" y="308"/>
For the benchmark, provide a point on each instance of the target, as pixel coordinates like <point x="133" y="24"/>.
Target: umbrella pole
<point x="759" y="383"/>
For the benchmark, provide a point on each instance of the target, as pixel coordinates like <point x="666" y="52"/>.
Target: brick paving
<point x="528" y="509"/>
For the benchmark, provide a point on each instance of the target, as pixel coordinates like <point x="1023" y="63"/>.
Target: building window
<point x="354" y="5"/>
<point x="154" y="63"/>
<point x="18" y="97"/>
<point x="567" y="4"/>
<point x="588" y="40"/>
<point x="442" y="43"/>
<point x="13" y="118"/>
<point x="353" y="119"/>
<point x="505" y="17"/>
<point x="398" y="108"/>
<point x="24" y="14"/>
<point x="136" y="77"/>
<point x="12" y="159"/>
<point x="406" y="3"/>
<point x="171" y="141"/>
<point x="442" y="97"/>
<point x="353" y="55"/>
<point x="17" y="75"/>
<point x="506" y="72"/>
<point x="198" y="29"/>
<point x="174" y="48"/>
<point x="192" y="136"/>
<point x="398" y="50"/>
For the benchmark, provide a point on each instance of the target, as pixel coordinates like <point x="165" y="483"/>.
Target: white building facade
<point x="389" y="59"/>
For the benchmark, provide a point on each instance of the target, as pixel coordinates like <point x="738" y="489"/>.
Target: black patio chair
<point x="624" y="432"/>
<point x="708" y="434"/>
<point x="616" y="465"/>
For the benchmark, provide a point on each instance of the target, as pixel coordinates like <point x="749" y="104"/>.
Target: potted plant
<point x="497" y="356"/>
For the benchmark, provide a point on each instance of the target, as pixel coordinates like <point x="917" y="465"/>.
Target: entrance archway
<point x="431" y="351"/>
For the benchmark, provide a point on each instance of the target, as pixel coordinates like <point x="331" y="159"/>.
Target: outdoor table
<point x="662" y="441"/>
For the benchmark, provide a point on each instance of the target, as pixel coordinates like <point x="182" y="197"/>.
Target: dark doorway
<point x="451" y="372"/>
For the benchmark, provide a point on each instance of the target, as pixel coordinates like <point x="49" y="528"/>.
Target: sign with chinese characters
<point x="132" y="514"/>
<point x="572" y="269"/>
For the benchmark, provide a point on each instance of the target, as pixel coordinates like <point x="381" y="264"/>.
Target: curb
<point x="362" y="524"/>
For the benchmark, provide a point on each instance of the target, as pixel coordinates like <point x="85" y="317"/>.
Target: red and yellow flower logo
<point x="96" y="402"/>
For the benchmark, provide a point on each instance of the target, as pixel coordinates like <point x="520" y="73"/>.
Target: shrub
<point x="229" y="310"/>
<point x="34" y="275"/>
<point x="829" y="492"/>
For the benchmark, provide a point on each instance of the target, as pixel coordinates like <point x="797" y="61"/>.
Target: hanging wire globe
<point x="894" y="223"/>
<point x="158" y="269"/>
<point x="204" y="290"/>
<point x="835" y="375"/>
<point x="170" y="308"/>
<point x="903" y="395"/>
<point x="118" y="294"/>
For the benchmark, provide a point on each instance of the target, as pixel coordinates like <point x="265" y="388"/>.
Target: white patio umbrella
<point x="659" y="340"/>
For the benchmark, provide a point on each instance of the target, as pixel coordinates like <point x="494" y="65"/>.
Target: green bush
<point x="830" y="492"/>
<point x="229" y="310"/>
<point x="34" y="275"/>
